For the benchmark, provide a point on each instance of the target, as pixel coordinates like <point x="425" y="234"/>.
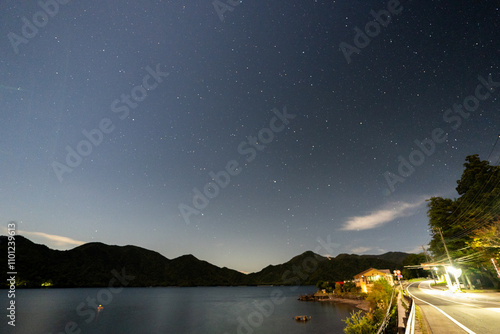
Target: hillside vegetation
<point x="91" y="265"/>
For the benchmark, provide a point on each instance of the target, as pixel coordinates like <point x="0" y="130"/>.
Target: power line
<point x="496" y="141"/>
<point x="473" y="220"/>
<point x="471" y="203"/>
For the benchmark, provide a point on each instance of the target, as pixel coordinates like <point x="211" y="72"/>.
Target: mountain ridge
<point x="92" y="265"/>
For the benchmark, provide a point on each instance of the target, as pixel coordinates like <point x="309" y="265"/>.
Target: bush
<point x="338" y="289"/>
<point x="350" y="287"/>
<point x="358" y="324"/>
<point x="379" y="299"/>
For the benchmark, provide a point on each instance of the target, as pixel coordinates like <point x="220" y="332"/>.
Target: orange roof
<point x="376" y="272"/>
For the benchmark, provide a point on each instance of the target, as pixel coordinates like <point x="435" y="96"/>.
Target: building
<point x="365" y="279"/>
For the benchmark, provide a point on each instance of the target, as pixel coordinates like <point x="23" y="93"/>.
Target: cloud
<point x="51" y="240"/>
<point x="381" y="217"/>
<point x="415" y="250"/>
<point x="360" y="250"/>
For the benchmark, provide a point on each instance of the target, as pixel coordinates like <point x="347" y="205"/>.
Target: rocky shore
<point x="355" y="300"/>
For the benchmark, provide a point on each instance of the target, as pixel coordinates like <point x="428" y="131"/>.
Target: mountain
<point x="396" y="257"/>
<point x="297" y="271"/>
<point x="95" y="264"/>
<point x="92" y="264"/>
<point x="309" y="268"/>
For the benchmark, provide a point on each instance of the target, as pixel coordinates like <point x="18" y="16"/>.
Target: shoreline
<point x="361" y="304"/>
<point x="355" y="300"/>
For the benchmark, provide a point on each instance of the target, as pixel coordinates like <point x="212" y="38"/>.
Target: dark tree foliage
<point x="93" y="264"/>
<point x="414" y="259"/>
<point x="469" y="223"/>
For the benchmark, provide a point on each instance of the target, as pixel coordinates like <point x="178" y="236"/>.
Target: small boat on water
<point x="303" y="317"/>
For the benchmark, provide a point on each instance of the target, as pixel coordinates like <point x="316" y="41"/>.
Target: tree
<point x="359" y="324"/>
<point x="338" y="289"/>
<point x="379" y="298"/>
<point x="351" y="287"/>
<point x="487" y="237"/>
<point x="469" y="223"/>
<point x="414" y="259"/>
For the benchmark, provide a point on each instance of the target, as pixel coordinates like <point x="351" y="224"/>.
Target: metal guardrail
<point x="384" y="323"/>
<point x="410" y="319"/>
<point x="410" y="324"/>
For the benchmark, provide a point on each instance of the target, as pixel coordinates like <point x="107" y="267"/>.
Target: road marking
<point x="430" y="287"/>
<point x="437" y="308"/>
<point x="448" y="300"/>
<point x="462" y="303"/>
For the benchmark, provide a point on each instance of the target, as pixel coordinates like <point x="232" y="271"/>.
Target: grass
<point x="439" y="284"/>
<point x="420" y="321"/>
<point x="417" y="279"/>
<point x="481" y="291"/>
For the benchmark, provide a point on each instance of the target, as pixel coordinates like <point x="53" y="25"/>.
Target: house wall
<point x="366" y="282"/>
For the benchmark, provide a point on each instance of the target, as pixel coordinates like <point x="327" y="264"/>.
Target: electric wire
<point x="473" y="202"/>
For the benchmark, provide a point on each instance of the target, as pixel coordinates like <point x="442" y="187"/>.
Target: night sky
<point x="242" y="133"/>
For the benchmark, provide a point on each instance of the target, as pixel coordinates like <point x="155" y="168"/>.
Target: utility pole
<point x="445" y="248"/>
<point x="427" y="258"/>
<point x="448" y="254"/>
<point x="494" y="261"/>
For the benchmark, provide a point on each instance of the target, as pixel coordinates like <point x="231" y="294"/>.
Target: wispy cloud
<point x="415" y="250"/>
<point x="52" y="240"/>
<point x="381" y="217"/>
<point x="360" y="250"/>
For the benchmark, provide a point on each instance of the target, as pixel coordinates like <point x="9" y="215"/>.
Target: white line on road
<point x="457" y="302"/>
<point x="437" y="308"/>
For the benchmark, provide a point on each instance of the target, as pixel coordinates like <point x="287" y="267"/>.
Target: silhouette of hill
<point x="92" y="265"/>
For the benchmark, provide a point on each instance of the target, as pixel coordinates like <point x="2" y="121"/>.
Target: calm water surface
<point x="202" y="310"/>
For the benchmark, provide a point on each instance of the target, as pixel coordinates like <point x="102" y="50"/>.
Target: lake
<point x="238" y="310"/>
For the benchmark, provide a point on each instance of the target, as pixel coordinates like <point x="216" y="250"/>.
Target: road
<point x="448" y="312"/>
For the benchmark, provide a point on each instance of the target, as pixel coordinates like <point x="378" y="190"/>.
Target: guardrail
<point x="410" y="322"/>
<point x="406" y="312"/>
<point x="407" y="318"/>
<point x="387" y="317"/>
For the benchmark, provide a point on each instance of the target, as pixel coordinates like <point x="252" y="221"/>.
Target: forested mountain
<point x="93" y="264"/>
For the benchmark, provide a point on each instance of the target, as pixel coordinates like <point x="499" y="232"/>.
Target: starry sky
<point x="242" y="133"/>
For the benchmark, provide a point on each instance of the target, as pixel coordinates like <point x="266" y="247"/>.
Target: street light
<point x="455" y="271"/>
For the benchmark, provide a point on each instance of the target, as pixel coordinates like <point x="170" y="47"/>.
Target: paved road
<point x="446" y="312"/>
